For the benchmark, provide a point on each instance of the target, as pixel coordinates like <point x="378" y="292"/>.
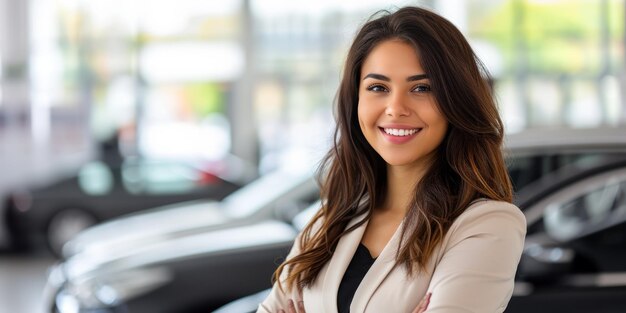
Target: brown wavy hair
<point x="469" y="164"/>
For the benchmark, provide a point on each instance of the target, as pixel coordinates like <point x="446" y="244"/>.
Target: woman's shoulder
<point x="488" y="206"/>
<point x="490" y="214"/>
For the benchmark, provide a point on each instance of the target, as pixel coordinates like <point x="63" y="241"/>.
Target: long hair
<point x="468" y="165"/>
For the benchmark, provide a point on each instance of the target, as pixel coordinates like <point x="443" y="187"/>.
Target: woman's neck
<point x="401" y="182"/>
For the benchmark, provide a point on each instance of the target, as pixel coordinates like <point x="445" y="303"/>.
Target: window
<point x="159" y="177"/>
<point x="600" y="206"/>
<point x="96" y="179"/>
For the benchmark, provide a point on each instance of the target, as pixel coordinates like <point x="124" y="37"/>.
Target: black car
<point x="50" y="215"/>
<point x="227" y="269"/>
<point x="574" y="258"/>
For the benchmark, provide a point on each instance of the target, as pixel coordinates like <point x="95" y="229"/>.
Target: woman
<point x="417" y="199"/>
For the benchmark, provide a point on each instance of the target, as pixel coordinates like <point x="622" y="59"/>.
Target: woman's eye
<point x="422" y="88"/>
<point x="376" y="88"/>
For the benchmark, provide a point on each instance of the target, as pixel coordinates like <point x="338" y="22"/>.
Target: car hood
<point x="155" y="225"/>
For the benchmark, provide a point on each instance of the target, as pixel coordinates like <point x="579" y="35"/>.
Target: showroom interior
<point x="110" y="109"/>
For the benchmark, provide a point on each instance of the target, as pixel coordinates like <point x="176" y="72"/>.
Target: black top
<point x="360" y="264"/>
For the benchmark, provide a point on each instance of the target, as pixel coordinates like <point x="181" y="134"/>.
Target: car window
<point x="295" y="185"/>
<point x="601" y="205"/>
<point x="151" y="177"/>
<point x="528" y="168"/>
<point x="95" y="179"/>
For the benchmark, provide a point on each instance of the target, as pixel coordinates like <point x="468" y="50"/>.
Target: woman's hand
<point x="423" y="305"/>
<point x="292" y="307"/>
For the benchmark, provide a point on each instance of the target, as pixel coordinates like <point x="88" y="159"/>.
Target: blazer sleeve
<point x="277" y="299"/>
<point x="476" y="271"/>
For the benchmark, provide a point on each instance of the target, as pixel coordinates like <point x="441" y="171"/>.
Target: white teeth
<point x="400" y="132"/>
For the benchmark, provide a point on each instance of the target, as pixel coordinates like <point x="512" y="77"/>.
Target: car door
<point x="575" y="254"/>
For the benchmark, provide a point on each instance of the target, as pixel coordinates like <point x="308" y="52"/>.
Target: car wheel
<point x="64" y="225"/>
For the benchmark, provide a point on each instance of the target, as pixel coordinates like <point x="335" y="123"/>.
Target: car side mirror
<point x="541" y="263"/>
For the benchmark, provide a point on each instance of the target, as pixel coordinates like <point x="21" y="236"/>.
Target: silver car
<point x="130" y="249"/>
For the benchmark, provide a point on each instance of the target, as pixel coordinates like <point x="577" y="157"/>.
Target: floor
<point x="22" y="279"/>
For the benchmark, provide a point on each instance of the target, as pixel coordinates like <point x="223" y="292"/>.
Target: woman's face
<point x="397" y="111"/>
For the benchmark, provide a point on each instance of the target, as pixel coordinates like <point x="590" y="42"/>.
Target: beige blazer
<point x="472" y="271"/>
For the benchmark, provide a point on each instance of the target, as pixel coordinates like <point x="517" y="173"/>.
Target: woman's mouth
<point x="399" y="132"/>
<point x="399" y="135"/>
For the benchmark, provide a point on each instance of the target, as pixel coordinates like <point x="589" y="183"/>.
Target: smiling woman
<point x="416" y="209"/>
<point x="397" y="111"/>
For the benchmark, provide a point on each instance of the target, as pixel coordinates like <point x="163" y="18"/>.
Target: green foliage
<point x="555" y="36"/>
<point x="205" y="98"/>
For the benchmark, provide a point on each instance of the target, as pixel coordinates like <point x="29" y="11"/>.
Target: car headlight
<point x="67" y="303"/>
<point x="112" y="289"/>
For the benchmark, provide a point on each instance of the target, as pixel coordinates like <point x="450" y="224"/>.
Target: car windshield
<point x="264" y="191"/>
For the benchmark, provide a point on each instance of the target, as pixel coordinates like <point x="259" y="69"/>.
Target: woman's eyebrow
<point x="387" y="79"/>
<point x="377" y="76"/>
<point x="416" y="77"/>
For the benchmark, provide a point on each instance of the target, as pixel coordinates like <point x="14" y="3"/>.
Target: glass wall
<point x="1" y="75"/>
<point x="556" y="63"/>
<point x="58" y="82"/>
<point x="167" y="77"/>
<point x="157" y="76"/>
<point x="164" y="70"/>
<point x="299" y="53"/>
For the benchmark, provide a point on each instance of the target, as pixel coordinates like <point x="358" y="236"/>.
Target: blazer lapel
<point x="385" y="262"/>
<point x="338" y="264"/>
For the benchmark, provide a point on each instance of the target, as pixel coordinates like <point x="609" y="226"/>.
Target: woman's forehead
<point x="392" y="57"/>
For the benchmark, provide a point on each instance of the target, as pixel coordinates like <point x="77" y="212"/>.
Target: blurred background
<point x="172" y="98"/>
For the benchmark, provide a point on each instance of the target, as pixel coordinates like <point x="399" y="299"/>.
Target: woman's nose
<point x="397" y="106"/>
